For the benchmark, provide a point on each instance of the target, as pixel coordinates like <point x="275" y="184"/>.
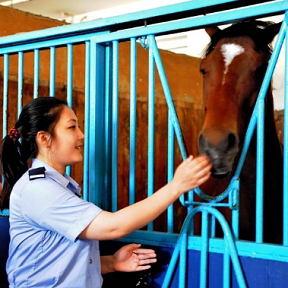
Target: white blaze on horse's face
<point x="229" y="52"/>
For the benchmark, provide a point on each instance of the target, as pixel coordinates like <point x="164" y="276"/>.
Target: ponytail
<point x="19" y="145"/>
<point x="13" y="167"/>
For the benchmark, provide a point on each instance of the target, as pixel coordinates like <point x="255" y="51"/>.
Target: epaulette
<point x="37" y="173"/>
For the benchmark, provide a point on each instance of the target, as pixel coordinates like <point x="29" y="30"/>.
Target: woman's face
<point x="67" y="143"/>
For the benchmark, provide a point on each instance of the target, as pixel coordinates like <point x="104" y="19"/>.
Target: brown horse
<point x="233" y="68"/>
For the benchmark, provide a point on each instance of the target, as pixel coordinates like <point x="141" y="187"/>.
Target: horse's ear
<point x="211" y="30"/>
<point x="271" y="31"/>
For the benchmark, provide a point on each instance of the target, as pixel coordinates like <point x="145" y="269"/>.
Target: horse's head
<point x="233" y="69"/>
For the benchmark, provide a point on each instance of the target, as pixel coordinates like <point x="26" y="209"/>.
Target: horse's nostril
<point x="232" y="141"/>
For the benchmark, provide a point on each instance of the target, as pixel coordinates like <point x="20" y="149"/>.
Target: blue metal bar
<point x="216" y="245"/>
<point x="115" y="126"/>
<point x="198" y="22"/>
<point x="183" y="261"/>
<point x="52" y="71"/>
<point x="69" y="74"/>
<point x="5" y="212"/>
<point x="108" y="126"/>
<point x="46" y="44"/>
<point x="170" y="171"/>
<point x="92" y="181"/>
<point x="168" y="96"/>
<point x="226" y="268"/>
<point x="5" y="94"/>
<point x="234" y="206"/>
<point x="69" y="85"/>
<point x="96" y="124"/>
<point x="213" y="227"/>
<point x="20" y="80"/>
<point x="260" y="172"/>
<point x="133" y="103"/>
<point x="229" y="242"/>
<point x="151" y="128"/>
<point x="285" y="148"/>
<point x="263" y="9"/>
<point x="36" y="72"/>
<point x="86" y="122"/>
<point x="173" y="262"/>
<point x="204" y="250"/>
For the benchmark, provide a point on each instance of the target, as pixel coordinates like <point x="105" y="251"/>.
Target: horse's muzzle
<point x="221" y="147"/>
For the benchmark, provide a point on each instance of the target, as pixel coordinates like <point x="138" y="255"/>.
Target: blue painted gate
<point x="200" y="256"/>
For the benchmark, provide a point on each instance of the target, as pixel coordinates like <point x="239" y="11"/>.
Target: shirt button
<point x="90" y="261"/>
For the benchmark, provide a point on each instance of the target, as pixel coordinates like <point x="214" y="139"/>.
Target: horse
<point x="233" y="67"/>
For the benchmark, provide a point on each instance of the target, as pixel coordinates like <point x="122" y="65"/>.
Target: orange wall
<point x="184" y="81"/>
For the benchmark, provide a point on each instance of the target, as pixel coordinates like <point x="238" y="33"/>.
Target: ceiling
<point x="68" y="9"/>
<point x="54" y="8"/>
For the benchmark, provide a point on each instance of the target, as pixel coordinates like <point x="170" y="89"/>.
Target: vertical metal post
<point x="183" y="261"/>
<point x="260" y="172"/>
<point x="36" y="72"/>
<point x="285" y="149"/>
<point x="92" y="177"/>
<point x="69" y="74"/>
<point x="87" y="121"/>
<point x="96" y="123"/>
<point x="115" y="126"/>
<point x="69" y="85"/>
<point x="151" y="126"/>
<point x="52" y="71"/>
<point x="168" y="97"/>
<point x="5" y="93"/>
<point x="234" y="205"/>
<point x="133" y="104"/>
<point x="204" y="251"/>
<point x="226" y="268"/>
<point x="20" y="80"/>
<point x="108" y="128"/>
<point x="170" y="171"/>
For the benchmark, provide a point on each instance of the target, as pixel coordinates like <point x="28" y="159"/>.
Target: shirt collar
<point x="65" y="180"/>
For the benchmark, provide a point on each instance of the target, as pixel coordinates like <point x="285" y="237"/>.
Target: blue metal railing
<point x="181" y="248"/>
<point x="101" y="118"/>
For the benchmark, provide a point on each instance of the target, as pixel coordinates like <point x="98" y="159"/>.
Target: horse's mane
<point x="250" y="28"/>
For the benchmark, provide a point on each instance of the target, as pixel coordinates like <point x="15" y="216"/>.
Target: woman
<point x="54" y="233"/>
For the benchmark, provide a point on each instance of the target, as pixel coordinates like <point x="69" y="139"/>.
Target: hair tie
<point x="13" y="134"/>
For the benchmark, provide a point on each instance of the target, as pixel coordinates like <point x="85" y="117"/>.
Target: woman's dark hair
<point x="41" y="114"/>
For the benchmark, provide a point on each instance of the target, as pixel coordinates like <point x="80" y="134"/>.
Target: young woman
<point x="54" y="233"/>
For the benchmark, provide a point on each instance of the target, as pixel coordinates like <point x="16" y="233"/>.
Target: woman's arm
<point x="107" y="226"/>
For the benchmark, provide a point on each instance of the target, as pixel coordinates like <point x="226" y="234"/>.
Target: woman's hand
<point x="191" y="173"/>
<point x="132" y="258"/>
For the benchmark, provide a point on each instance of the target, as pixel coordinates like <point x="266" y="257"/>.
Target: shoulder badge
<point x="37" y="173"/>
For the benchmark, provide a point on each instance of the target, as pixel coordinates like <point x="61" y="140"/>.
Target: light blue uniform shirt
<point x="46" y="216"/>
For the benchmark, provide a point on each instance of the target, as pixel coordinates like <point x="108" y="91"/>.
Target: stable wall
<point x="185" y="83"/>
